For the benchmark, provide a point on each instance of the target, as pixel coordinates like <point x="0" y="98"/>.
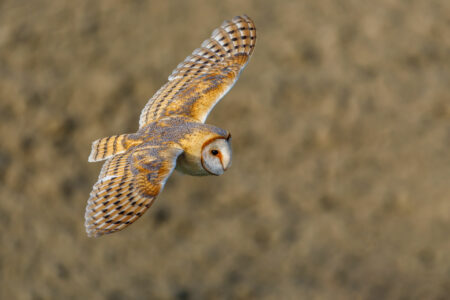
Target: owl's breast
<point x="190" y="165"/>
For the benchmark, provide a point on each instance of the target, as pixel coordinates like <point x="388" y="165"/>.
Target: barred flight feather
<point x="204" y="77"/>
<point x="106" y="147"/>
<point x="126" y="188"/>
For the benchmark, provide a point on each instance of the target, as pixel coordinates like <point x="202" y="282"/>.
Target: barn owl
<point x="172" y="132"/>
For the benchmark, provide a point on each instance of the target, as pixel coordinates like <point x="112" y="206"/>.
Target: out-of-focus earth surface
<point x="340" y="183"/>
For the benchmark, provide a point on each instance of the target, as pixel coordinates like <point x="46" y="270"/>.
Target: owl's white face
<point x="216" y="156"/>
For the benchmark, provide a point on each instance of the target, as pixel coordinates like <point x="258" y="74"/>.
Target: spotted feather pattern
<point x="204" y="77"/>
<point x="126" y="188"/>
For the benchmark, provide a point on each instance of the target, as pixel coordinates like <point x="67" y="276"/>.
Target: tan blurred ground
<point x="340" y="184"/>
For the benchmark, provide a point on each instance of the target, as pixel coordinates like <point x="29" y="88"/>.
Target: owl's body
<point x="172" y="133"/>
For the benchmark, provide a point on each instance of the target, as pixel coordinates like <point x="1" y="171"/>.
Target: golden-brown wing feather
<point x="126" y="188"/>
<point x="204" y="77"/>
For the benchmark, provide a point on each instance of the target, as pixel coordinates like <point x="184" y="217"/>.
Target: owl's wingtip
<point x="93" y="153"/>
<point x="242" y="16"/>
<point x="91" y="232"/>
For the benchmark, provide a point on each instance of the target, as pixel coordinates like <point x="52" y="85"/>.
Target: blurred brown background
<point x="339" y="187"/>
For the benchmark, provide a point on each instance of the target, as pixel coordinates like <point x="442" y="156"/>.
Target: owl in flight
<point x="172" y="132"/>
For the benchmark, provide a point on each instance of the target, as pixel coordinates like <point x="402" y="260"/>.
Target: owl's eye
<point x="214" y="152"/>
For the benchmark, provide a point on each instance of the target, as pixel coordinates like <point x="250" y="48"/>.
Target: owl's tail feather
<point x="107" y="147"/>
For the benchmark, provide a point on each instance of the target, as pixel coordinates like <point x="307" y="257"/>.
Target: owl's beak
<point x="225" y="160"/>
<point x="224" y="167"/>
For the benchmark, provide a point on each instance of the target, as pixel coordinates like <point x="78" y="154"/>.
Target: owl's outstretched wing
<point x="204" y="77"/>
<point x="127" y="185"/>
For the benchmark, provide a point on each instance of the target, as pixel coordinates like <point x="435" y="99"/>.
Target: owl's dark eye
<point x="214" y="152"/>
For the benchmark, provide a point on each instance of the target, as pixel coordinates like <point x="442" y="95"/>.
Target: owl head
<point x="216" y="155"/>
